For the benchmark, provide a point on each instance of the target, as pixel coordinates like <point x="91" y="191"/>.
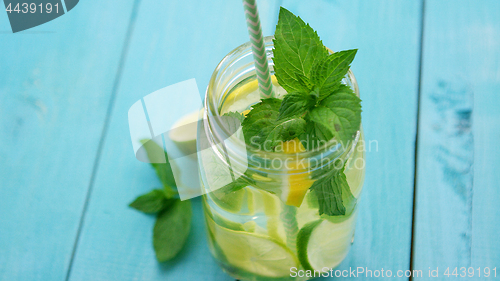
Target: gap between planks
<point x="419" y="94"/>
<point x="107" y="118"/>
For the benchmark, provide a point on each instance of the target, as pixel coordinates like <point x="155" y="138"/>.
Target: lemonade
<point x="281" y="155"/>
<point x="249" y="232"/>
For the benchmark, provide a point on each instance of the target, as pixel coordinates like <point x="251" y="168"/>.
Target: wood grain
<point x="55" y="85"/>
<point x="172" y="41"/>
<point x="457" y="184"/>
<point x="57" y="81"/>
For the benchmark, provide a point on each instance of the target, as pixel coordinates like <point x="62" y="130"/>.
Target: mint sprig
<point x="312" y="77"/>
<point x="316" y="109"/>
<point x="297" y="48"/>
<point x="173" y="218"/>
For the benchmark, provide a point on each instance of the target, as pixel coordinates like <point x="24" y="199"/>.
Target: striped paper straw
<point x="288" y="216"/>
<point x="259" y="52"/>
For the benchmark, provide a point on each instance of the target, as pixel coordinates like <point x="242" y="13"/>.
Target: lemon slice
<point x="245" y="112"/>
<point x="183" y="132"/>
<point x="298" y="181"/>
<point x="254" y="253"/>
<point x="323" y="244"/>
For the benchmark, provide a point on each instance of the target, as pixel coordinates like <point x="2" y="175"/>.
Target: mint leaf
<point x="152" y="202"/>
<point x="334" y="195"/>
<point x="163" y="170"/>
<point x="171" y="230"/>
<point x="312" y="137"/>
<point x="237" y="184"/>
<point x="338" y="115"/>
<point x="295" y="104"/>
<point x="262" y="129"/>
<point x="233" y="186"/>
<point x="283" y="130"/>
<point x="327" y="74"/>
<point x="263" y="114"/>
<point x="232" y="121"/>
<point x="236" y="115"/>
<point x="305" y="82"/>
<point x="297" y="48"/>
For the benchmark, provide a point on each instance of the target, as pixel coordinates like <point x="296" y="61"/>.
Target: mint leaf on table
<point x="334" y="195"/>
<point x="171" y="230"/>
<point x="163" y="170"/>
<point x="262" y="128"/>
<point x="152" y="202"/>
<point x="173" y="221"/>
<point x="327" y="74"/>
<point x="297" y="48"/>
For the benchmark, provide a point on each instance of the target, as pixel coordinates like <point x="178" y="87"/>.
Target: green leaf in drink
<point x="236" y="115"/>
<point x="334" y="195"/>
<point x="237" y="184"/>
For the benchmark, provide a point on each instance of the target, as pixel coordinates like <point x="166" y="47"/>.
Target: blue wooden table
<point x="429" y="75"/>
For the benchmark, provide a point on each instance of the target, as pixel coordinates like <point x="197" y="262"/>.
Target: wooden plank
<point x="387" y="34"/>
<point x="483" y="42"/>
<point x="457" y="184"/>
<point x="55" y="85"/>
<point x="172" y="41"/>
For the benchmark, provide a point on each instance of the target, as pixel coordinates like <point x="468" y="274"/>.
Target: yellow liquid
<point x="248" y="235"/>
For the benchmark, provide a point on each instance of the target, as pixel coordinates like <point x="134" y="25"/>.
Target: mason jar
<point x="263" y="219"/>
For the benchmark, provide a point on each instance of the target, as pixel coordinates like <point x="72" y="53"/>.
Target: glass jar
<point x="264" y="223"/>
